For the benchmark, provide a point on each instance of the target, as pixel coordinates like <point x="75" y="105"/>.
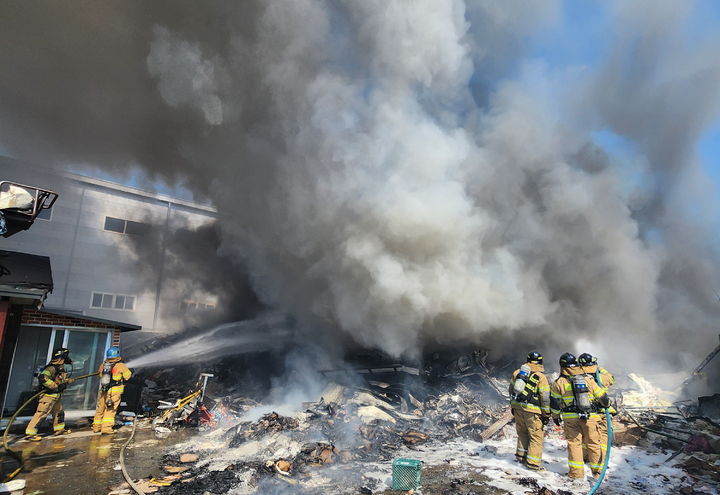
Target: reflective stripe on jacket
<point x="535" y="398"/>
<point x="606" y="379"/>
<point x="119" y="374"/>
<point x="49" y="378"/>
<point x="562" y="397"/>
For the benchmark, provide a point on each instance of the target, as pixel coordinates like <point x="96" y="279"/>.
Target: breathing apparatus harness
<point x="582" y="402"/>
<point x="60" y="374"/>
<point x="106" y="380"/>
<point x="525" y="386"/>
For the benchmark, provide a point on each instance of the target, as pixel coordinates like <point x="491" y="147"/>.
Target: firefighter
<point x="113" y="375"/>
<point x="530" y="405"/>
<point x="53" y="380"/>
<point x="589" y="364"/>
<point x="576" y="400"/>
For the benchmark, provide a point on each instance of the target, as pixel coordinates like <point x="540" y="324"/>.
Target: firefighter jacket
<point x="119" y="374"/>
<point x="607" y="379"/>
<point x="51" y="377"/>
<point x="535" y="398"/>
<point x="562" y="396"/>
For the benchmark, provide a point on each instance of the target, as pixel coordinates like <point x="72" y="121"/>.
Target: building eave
<point x="122" y="326"/>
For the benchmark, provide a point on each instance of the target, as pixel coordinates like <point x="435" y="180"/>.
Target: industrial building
<point x="83" y="264"/>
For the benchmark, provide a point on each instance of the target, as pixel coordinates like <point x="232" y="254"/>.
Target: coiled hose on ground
<point x="12" y="453"/>
<point x="608" y="418"/>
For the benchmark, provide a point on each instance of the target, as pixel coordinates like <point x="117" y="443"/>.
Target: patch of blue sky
<point x="627" y="160"/>
<point x="709" y="152"/>
<point x="135" y="177"/>
<point x="578" y="38"/>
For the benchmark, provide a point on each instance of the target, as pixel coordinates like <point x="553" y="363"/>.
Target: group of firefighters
<point x="54" y="379"/>
<point x="577" y="400"/>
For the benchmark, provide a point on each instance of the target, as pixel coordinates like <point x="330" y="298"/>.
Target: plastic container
<point x="406" y="474"/>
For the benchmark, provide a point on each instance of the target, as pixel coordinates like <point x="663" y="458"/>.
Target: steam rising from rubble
<point x="383" y="176"/>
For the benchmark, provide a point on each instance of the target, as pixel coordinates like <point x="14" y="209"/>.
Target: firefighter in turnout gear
<point x="578" y="401"/>
<point x="53" y="380"/>
<point x="589" y="364"/>
<point x="530" y="405"/>
<point x="113" y="375"/>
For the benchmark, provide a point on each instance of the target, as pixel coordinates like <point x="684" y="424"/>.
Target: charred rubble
<point x="374" y="414"/>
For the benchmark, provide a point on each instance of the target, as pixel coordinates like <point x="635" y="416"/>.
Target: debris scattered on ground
<point x="459" y="425"/>
<point x="185" y="458"/>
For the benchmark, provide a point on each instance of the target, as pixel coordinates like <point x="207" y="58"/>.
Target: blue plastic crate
<point x="406" y="474"/>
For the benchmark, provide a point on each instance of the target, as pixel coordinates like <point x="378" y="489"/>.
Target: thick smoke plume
<point x="398" y="174"/>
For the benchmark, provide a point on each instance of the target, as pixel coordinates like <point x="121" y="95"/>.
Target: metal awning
<point x="25" y="276"/>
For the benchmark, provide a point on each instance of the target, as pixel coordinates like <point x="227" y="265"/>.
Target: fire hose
<point x="125" y="474"/>
<point x="608" y="419"/>
<point x="14" y="454"/>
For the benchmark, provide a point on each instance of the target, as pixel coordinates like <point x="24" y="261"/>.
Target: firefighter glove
<point x="557" y="421"/>
<point x="545" y="420"/>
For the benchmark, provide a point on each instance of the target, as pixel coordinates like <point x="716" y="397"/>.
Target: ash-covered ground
<point x="455" y="421"/>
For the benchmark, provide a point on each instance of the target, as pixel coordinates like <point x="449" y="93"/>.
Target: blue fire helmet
<point x="112" y="352"/>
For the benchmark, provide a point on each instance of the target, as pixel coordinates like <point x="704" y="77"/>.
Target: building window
<point x="194" y="306"/>
<point x="122" y="226"/>
<point x="121" y="302"/>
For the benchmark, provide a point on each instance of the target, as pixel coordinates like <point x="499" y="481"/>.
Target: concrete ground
<point x="83" y="463"/>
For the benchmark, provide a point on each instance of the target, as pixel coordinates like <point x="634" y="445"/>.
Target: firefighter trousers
<point x="530" y="434"/>
<point x="104" y="419"/>
<point x="579" y="432"/>
<point x="49" y="404"/>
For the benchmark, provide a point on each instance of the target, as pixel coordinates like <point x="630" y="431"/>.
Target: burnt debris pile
<point x="382" y="415"/>
<point x="365" y="417"/>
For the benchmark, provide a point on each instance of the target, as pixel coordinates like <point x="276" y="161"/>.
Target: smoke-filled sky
<point x="405" y="173"/>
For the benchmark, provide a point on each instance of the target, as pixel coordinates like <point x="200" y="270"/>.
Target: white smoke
<point x="402" y="223"/>
<point x="185" y="77"/>
<point x="400" y="175"/>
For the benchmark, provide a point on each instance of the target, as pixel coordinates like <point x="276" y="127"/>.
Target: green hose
<point x="12" y="453"/>
<point x="608" y="418"/>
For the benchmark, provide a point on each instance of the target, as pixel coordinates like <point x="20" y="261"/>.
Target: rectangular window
<point x="136" y="228"/>
<point x="121" y="302"/>
<point x="194" y="307"/>
<point x="122" y="226"/>
<point x="115" y="225"/>
<point x="107" y="301"/>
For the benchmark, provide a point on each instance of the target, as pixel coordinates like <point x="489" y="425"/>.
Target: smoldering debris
<point x="458" y="423"/>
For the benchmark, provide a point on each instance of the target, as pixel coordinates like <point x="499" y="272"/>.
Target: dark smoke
<point x="383" y="171"/>
<point x="189" y="260"/>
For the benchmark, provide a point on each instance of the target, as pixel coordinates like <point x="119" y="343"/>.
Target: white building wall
<point x="85" y="257"/>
